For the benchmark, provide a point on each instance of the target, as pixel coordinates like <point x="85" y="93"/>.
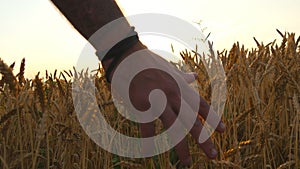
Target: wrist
<point x="138" y="46"/>
<point x="111" y="64"/>
<point x="122" y="43"/>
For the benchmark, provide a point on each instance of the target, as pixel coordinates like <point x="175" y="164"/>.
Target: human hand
<point x="138" y="88"/>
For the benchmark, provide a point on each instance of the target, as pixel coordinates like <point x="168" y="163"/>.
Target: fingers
<point x="182" y="151"/>
<point x="147" y="130"/>
<point x="204" y="110"/>
<point x="210" y="116"/>
<point x="207" y="146"/>
<point x="190" y="95"/>
<point x="189" y="105"/>
<point x="197" y="130"/>
<point x="168" y="118"/>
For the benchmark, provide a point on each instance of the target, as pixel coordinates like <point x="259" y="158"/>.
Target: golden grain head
<point x="261" y="113"/>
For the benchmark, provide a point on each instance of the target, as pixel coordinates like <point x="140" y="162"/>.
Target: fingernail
<point x="222" y="126"/>
<point x="213" y="153"/>
<point x="187" y="162"/>
<point x="195" y="75"/>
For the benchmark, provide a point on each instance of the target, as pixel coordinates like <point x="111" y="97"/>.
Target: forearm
<point x="93" y="20"/>
<point x="87" y="16"/>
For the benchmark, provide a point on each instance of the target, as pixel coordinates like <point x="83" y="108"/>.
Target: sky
<point x="35" y="29"/>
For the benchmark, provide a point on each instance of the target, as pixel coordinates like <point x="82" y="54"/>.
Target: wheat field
<point x="39" y="127"/>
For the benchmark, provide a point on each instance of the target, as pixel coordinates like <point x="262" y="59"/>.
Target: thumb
<point x="189" y="77"/>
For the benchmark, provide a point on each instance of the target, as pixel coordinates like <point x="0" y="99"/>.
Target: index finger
<point x="204" y="109"/>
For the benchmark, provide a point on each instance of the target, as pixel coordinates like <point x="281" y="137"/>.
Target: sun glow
<point x="37" y="31"/>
